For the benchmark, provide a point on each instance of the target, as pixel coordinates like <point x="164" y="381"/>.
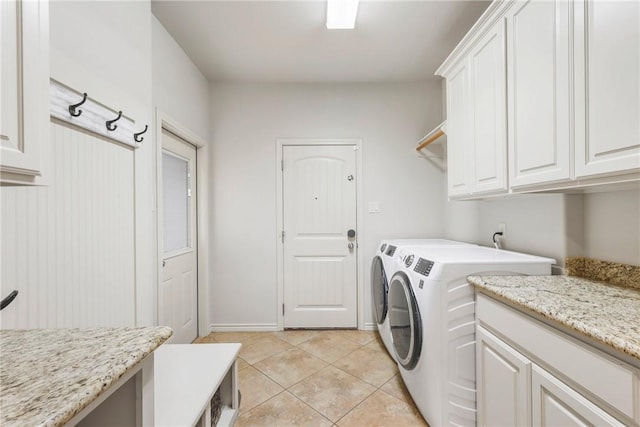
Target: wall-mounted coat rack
<point x="81" y="110"/>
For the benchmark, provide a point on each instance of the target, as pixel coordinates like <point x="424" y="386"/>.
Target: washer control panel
<point x="423" y="266"/>
<point x="391" y="250"/>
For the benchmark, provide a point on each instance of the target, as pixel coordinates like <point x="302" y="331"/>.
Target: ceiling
<point x="287" y="41"/>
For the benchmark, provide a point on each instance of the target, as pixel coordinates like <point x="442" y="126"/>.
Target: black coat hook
<point x="136" y="135"/>
<point x="110" y="123"/>
<point x="72" y="108"/>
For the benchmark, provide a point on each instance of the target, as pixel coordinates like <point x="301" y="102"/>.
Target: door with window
<point x="178" y="292"/>
<point x="319" y="224"/>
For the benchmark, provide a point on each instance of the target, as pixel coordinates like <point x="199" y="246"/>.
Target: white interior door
<point x="178" y="293"/>
<point x="319" y="205"/>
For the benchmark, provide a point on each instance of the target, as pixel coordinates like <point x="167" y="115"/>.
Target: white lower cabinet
<point x="503" y="382"/>
<point x="556" y="404"/>
<point x="528" y="373"/>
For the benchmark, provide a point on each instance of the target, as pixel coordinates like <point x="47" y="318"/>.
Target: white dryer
<point x="383" y="267"/>
<point x="432" y="321"/>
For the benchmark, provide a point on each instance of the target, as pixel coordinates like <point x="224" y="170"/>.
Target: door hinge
<point x="282" y="165"/>
<point x="283" y="309"/>
<point x="282" y="236"/>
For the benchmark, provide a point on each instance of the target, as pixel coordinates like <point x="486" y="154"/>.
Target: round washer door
<point x="404" y="318"/>
<point x="379" y="289"/>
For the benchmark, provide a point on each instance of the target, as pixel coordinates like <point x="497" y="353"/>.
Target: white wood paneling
<point x="69" y="247"/>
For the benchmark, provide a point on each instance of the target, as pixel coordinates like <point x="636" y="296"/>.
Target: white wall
<point x="181" y="95"/>
<point x="246" y="120"/>
<point x="179" y="88"/>
<point x="105" y="48"/>
<point x="603" y="225"/>
<point x="535" y="224"/>
<point x="612" y="226"/>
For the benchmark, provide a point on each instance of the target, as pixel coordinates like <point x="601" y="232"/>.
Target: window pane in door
<point x="175" y="195"/>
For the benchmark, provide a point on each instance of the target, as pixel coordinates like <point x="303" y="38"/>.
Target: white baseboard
<point x="370" y="327"/>
<point x="243" y="327"/>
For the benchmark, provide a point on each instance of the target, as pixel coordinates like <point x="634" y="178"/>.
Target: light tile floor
<point x="318" y="378"/>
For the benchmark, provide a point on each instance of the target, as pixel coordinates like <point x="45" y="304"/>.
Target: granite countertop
<point x="605" y="313"/>
<point x="47" y="376"/>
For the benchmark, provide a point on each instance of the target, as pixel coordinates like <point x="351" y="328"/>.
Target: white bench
<point x="186" y="377"/>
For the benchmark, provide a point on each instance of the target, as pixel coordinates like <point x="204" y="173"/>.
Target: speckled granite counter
<point x="604" y="313"/>
<point x="47" y="376"/>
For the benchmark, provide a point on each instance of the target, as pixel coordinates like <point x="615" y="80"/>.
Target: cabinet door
<point x="556" y="404"/>
<point x="607" y="75"/>
<point x="459" y="145"/>
<point x="539" y="92"/>
<point x="503" y="378"/>
<point x="488" y="103"/>
<point x="24" y="75"/>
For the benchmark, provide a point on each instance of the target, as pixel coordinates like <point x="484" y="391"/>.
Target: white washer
<point x="432" y="319"/>
<point x="383" y="266"/>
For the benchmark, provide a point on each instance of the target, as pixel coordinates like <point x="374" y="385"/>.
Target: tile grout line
<point x="360" y="346"/>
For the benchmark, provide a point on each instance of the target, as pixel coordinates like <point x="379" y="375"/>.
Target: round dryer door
<point x="379" y="289"/>
<point x="404" y="318"/>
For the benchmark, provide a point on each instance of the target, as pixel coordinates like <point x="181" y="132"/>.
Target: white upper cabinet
<point x="460" y="148"/>
<point x="488" y="124"/>
<point x="539" y="112"/>
<point x="547" y="97"/>
<point x="24" y="75"/>
<point x="476" y="117"/>
<point x="607" y="75"/>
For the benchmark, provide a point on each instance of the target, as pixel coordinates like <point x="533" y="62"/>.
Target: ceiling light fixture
<point x="341" y="14"/>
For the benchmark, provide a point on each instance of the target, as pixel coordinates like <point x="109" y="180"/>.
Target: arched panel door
<point x="404" y="318"/>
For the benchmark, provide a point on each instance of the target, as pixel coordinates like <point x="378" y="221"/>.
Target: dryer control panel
<point x="423" y="266"/>
<point x="391" y="250"/>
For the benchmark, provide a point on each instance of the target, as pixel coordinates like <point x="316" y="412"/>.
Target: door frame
<point x="357" y="146"/>
<point x="164" y="121"/>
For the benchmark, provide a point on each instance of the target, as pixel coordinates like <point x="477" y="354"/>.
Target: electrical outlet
<point x="502" y="228"/>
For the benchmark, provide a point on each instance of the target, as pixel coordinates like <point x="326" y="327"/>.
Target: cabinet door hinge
<point x="282" y="236"/>
<point x="283" y="309"/>
<point x="281" y="165"/>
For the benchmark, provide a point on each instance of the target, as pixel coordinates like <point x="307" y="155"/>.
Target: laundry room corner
<point x="246" y="121"/>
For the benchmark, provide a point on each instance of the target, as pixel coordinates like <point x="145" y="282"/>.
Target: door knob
<point x="350" y="246"/>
